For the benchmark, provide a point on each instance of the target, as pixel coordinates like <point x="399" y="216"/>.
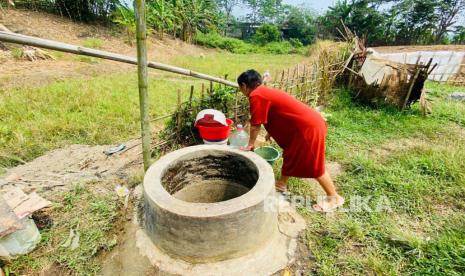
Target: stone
<point x="457" y="96"/>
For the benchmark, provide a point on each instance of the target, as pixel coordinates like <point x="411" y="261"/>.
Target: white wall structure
<point x="449" y="62"/>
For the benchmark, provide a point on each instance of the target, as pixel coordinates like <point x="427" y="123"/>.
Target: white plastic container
<point x="240" y="138"/>
<point x="224" y="142"/>
<point x="20" y="242"/>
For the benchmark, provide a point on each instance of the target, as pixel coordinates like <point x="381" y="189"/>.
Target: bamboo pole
<point x="178" y="117"/>
<point x="141" y="35"/>
<point x="411" y="88"/>
<point x="73" y="49"/>
<point x="191" y="95"/>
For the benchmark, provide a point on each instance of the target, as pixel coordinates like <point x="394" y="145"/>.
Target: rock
<point x="457" y="96"/>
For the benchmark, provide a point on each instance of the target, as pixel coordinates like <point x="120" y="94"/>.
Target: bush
<point x="296" y="43"/>
<point x="214" y="40"/>
<point x="237" y="46"/>
<point x="267" y="33"/>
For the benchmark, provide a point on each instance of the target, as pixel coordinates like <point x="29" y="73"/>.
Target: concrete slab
<point x="277" y="254"/>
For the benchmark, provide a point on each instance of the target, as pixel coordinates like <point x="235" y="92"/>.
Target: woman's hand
<point x="248" y="148"/>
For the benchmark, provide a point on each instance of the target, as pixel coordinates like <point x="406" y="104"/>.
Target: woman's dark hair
<point x="251" y="78"/>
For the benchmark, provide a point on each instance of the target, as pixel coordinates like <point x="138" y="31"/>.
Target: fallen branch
<point x="28" y="52"/>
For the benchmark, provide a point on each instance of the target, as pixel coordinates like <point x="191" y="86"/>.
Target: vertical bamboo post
<point x="202" y="91"/>
<point x="236" y="108"/>
<point x="191" y="95"/>
<point x="226" y="78"/>
<point x="211" y="88"/>
<point x="141" y="35"/>
<point x="178" y="117"/>
<point x="281" y="82"/>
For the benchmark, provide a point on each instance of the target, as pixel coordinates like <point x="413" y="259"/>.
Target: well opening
<point x="206" y="177"/>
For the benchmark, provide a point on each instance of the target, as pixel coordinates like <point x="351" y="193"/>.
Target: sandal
<point x="325" y="207"/>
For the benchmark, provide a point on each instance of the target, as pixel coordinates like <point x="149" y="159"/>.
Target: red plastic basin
<point x="218" y="133"/>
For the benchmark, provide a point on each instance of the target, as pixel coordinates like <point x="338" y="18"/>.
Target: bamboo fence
<point x="306" y="82"/>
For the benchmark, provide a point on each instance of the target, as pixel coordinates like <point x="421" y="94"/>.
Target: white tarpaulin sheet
<point x="449" y="62"/>
<point x="373" y="71"/>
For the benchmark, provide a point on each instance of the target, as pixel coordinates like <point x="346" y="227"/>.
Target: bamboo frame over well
<point x="141" y="35"/>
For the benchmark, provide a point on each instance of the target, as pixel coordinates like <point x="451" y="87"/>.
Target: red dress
<point x="299" y="130"/>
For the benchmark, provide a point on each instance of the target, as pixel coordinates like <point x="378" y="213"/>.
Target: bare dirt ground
<point x="409" y="48"/>
<point x="15" y="73"/>
<point x="58" y="170"/>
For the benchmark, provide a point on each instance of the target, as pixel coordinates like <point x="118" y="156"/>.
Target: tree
<point x="227" y="6"/>
<point x="267" y="33"/>
<point x="254" y="6"/>
<point x="160" y="15"/>
<point x="459" y="35"/>
<point x="269" y="10"/>
<point x="423" y="21"/>
<point x="416" y="21"/>
<point x="300" y="24"/>
<point x="125" y="17"/>
<point x="361" y="16"/>
<point x="449" y="11"/>
<point x="263" y="11"/>
<point x="331" y="20"/>
<point x="86" y="10"/>
<point x="191" y="16"/>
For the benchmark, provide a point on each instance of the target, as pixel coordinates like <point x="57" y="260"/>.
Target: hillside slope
<point x="19" y="73"/>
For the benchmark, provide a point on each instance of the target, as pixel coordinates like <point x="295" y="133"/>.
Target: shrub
<point x="267" y="33"/>
<point x="296" y="43"/>
<point x="214" y="40"/>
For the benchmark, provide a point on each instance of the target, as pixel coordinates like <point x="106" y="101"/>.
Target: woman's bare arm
<point x="254" y="131"/>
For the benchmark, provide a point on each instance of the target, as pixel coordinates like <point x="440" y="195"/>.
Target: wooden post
<point x="141" y="35"/>
<point x="178" y="117"/>
<point x="202" y="91"/>
<point x="191" y="95"/>
<point x="236" y="107"/>
<point x="411" y="87"/>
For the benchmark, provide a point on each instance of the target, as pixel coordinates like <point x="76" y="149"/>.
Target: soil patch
<point x="415" y="48"/>
<point x="25" y="73"/>
<point x="58" y="170"/>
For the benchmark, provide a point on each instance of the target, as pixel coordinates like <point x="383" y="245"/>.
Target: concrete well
<point x="205" y="204"/>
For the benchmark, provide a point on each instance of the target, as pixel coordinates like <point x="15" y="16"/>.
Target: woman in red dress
<point x="298" y="129"/>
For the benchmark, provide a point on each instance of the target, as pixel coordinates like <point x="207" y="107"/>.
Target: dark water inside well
<point x="211" y="191"/>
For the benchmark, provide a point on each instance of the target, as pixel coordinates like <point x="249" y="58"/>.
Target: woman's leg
<point x="332" y="200"/>
<point x="281" y="183"/>
<point x="327" y="184"/>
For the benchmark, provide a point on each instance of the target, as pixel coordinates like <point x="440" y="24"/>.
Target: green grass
<point x="414" y="162"/>
<point x="93" y="42"/>
<point x="220" y="64"/>
<point x="86" y="59"/>
<point x="92" y="214"/>
<point x="103" y="109"/>
<point x="17" y="53"/>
